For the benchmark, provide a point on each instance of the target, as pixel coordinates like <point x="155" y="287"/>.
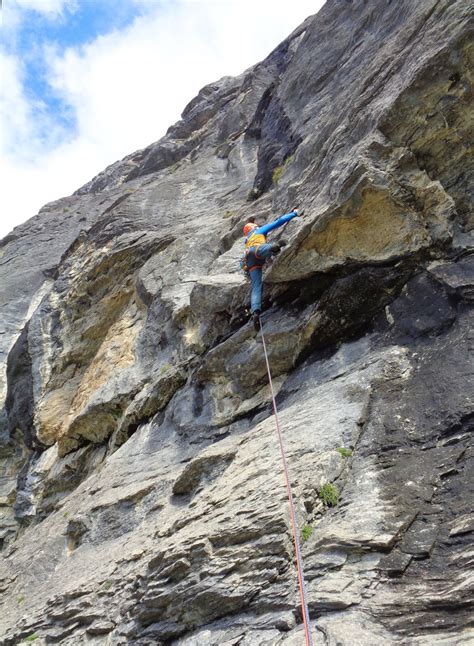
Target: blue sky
<point x="42" y="26"/>
<point x="86" y="82"/>
<point x="78" y="24"/>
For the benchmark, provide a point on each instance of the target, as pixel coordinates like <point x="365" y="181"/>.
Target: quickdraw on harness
<point x="243" y="264"/>
<point x="294" y="520"/>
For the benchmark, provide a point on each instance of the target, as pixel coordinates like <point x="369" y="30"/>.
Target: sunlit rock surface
<point x="141" y="491"/>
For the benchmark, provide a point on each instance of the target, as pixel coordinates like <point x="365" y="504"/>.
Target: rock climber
<point x="257" y="251"/>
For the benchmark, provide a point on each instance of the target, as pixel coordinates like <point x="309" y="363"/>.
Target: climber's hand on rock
<point x="299" y="212"/>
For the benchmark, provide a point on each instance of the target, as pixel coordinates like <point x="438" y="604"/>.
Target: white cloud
<point x="26" y="123"/>
<point x="127" y="87"/>
<point x="48" y="7"/>
<point x="15" y="111"/>
<point x="13" y="11"/>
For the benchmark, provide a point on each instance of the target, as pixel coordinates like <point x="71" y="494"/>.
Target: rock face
<point x="141" y="493"/>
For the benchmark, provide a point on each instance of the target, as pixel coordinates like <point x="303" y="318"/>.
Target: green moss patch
<point x="346" y="453"/>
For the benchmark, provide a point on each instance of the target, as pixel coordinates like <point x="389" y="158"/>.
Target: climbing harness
<point x="244" y="266"/>
<point x="294" y="520"/>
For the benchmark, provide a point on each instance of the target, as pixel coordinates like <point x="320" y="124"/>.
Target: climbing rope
<point x="294" y="520"/>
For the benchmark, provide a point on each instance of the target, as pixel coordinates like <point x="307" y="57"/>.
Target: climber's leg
<point x="256" y="295"/>
<point x="266" y="250"/>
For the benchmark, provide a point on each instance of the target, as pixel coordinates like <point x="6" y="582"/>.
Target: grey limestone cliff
<point x="141" y="492"/>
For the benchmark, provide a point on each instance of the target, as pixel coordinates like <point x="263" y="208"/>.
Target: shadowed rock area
<point x="141" y="493"/>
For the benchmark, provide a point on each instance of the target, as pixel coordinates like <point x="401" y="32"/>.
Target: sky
<point x="87" y="82"/>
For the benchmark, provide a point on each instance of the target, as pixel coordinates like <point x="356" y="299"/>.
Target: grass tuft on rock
<point x="32" y="638"/>
<point x="306" y="532"/>
<point x="329" y="494"/>
<point x="278" y="172"/>
<point x="346" y="453"/>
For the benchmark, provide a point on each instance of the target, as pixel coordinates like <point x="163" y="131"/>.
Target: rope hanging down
<point x="294" y="523"/>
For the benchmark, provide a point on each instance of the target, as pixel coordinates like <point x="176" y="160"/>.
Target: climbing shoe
<point x="256" y="320"/>
<point x="276" y="247"/>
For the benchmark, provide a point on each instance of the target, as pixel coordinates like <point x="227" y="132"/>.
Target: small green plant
<point x="21" y="598"/>
<point x="66" y="514"/>
<point x="306" y="532"/>
<point x="278" y="172"/>
<point x="31" y="638"/>
<point x="107" y="584"/>
<point x="329" y="494"/>
<point x="346" y="453"/>
<point x="116" y="413"/>
<point x="228" y="214"/>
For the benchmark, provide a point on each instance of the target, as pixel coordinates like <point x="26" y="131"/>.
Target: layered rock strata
<point x="141" y="494"/>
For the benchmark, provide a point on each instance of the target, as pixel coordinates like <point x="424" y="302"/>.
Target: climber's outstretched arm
<point x="278" y="223"/>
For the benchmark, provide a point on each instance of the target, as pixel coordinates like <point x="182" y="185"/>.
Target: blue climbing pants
<point x="256" y="295"/>
<point x="256" y="257"/>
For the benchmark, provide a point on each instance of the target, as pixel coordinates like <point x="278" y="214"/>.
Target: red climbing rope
<point x="294" y="522"/>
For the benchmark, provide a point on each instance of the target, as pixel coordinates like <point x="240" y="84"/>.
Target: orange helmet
<point x="249" y="226"/>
